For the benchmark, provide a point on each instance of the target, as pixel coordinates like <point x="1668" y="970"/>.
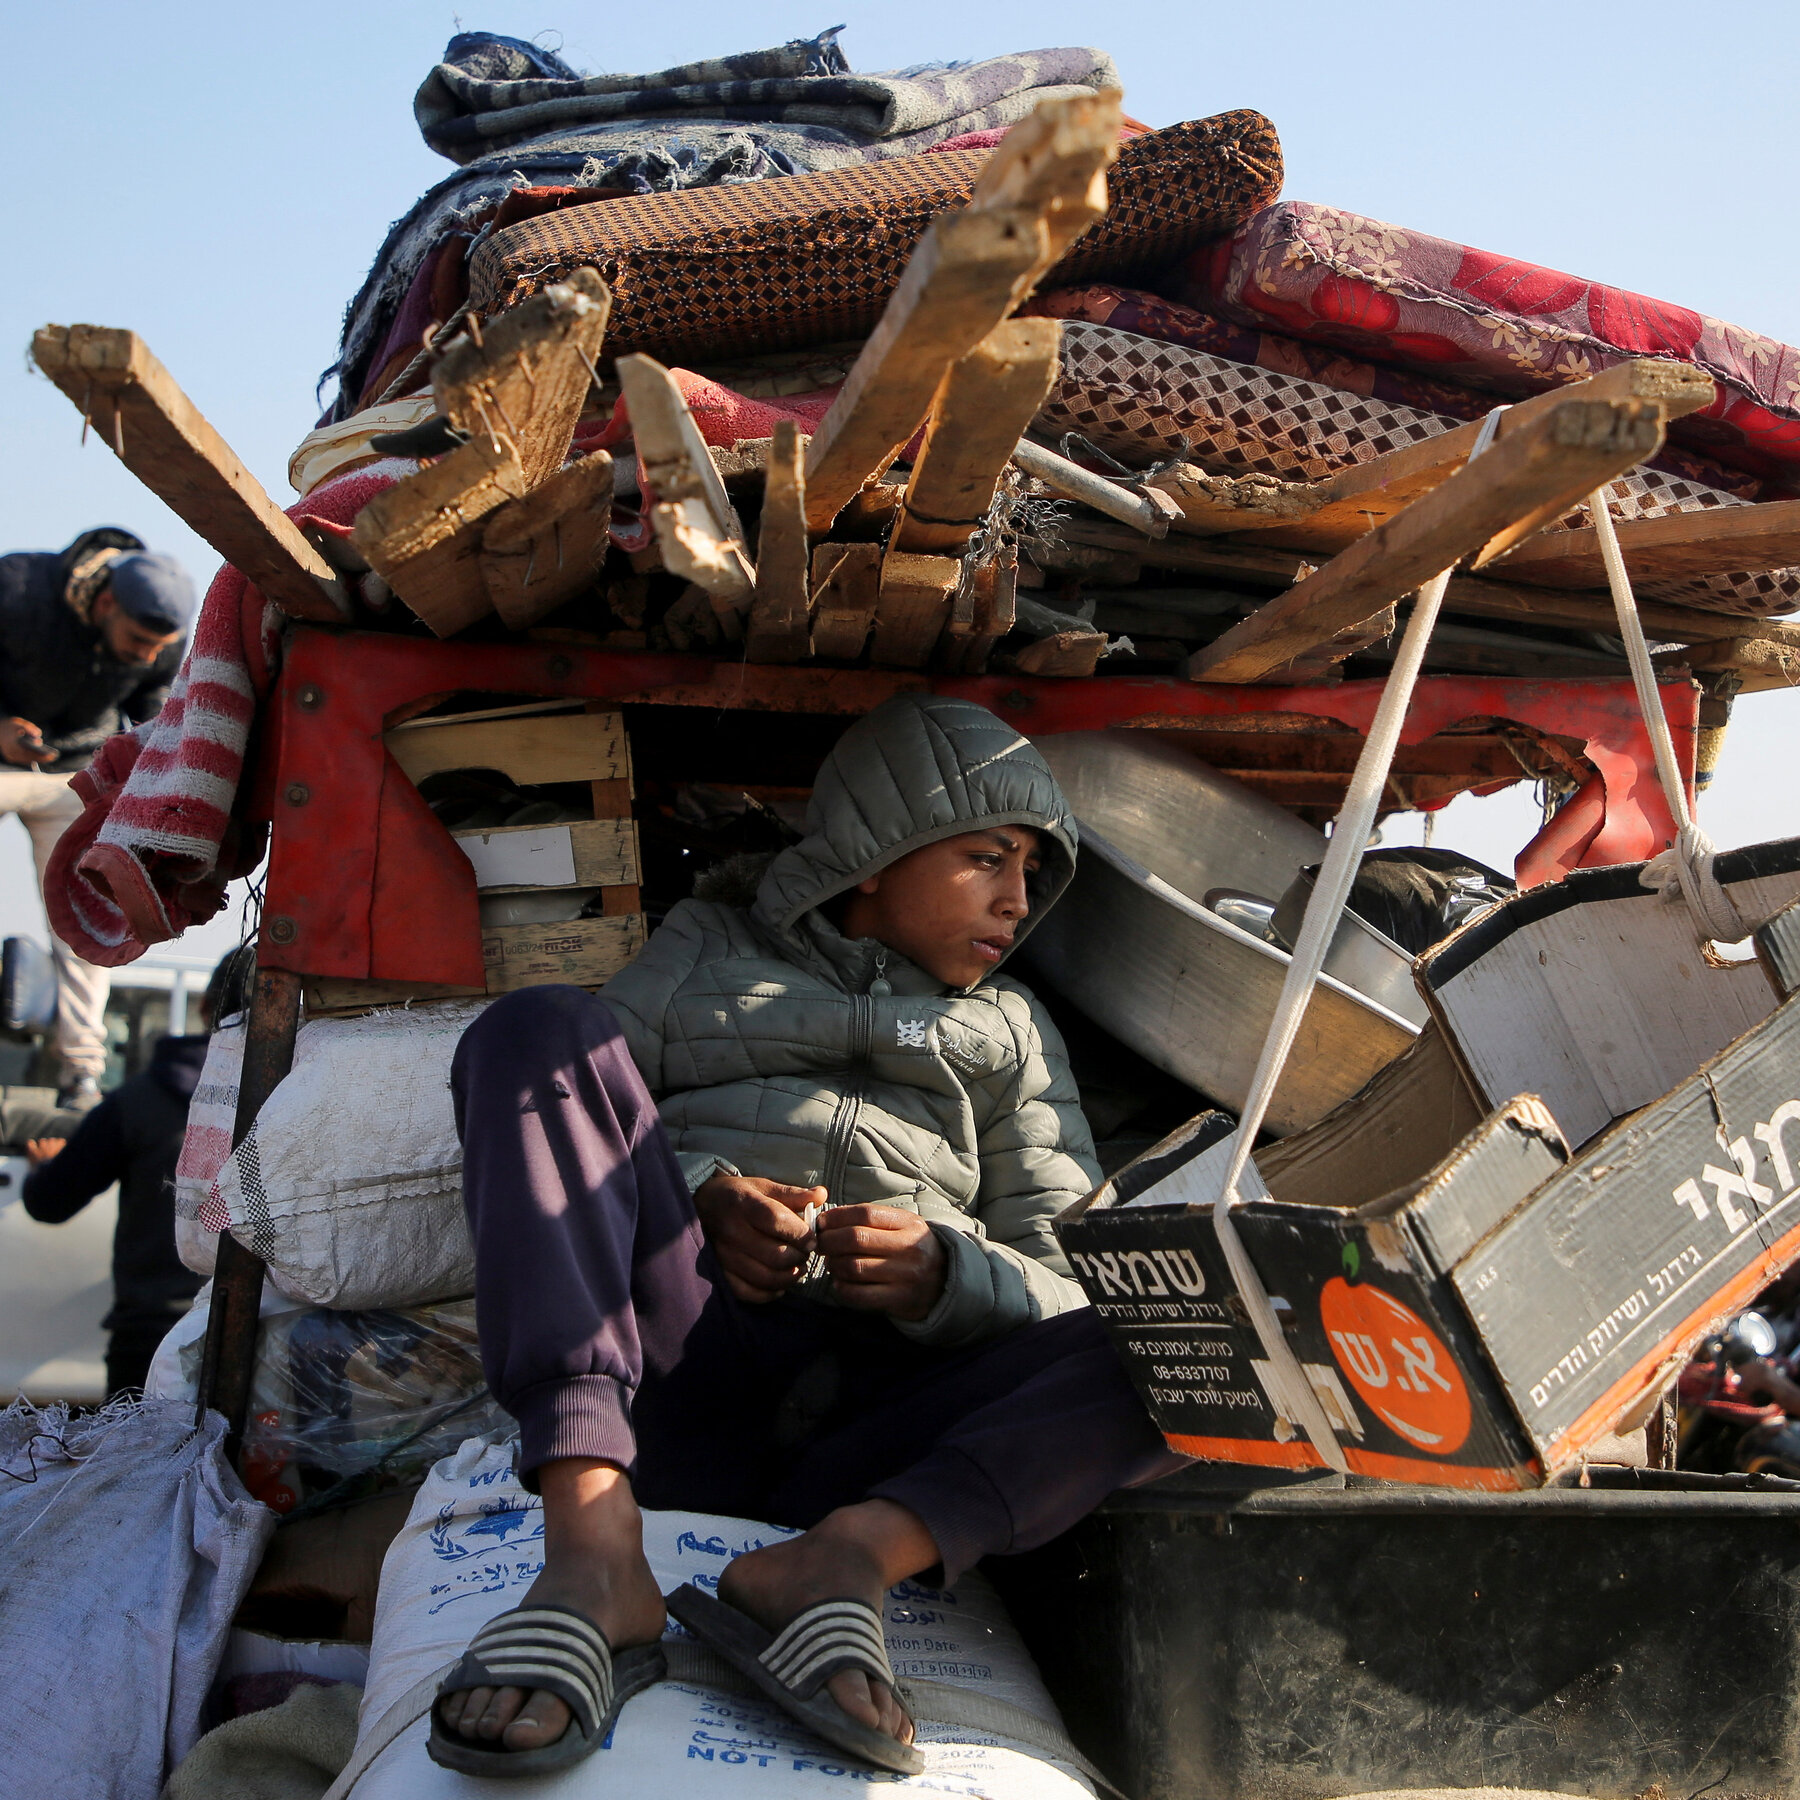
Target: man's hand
<point x="40" y="1150"/>
<point x="21" y="743"/>
<point x="757" y="1232"/>
<point x="883" y="1259"/>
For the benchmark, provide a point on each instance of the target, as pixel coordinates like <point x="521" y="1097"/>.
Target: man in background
<point x="90" y="639"/>
<point x="134" y="1137"/>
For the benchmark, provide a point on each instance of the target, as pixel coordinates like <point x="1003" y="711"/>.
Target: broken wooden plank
<point x="1061" y="653"/>
<point x="697" y="527"/>
<point x="1247" y="563"/>
<point x="423" y="535"/>
<point x="965" y="276"/>
<point x="542" y="550"/>
<point x="1761" y="657"/>
<point x="1574" y="611"/>
<point x="135" y="404"/>
<point x="1715" y="540"/>
<point x="980" y="410"/>
<point x="778" y="630"/>
<point x="996" y="588"/>
<point x="1054" y="162"/>
<point x="1535" y="471"/>
<point x="1329" y="515"/>
<point x="524" y="378"/>
<point x="911" y="607"/>
<point x="846" y="580"/>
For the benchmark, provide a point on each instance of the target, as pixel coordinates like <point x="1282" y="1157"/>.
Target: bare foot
<point x="593" y="1562"/>
<point x="856" y="1553"/>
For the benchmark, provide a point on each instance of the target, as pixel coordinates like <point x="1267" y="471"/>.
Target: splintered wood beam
<point x="846" y="579"/>
<point x="778" y="630"/>
<point x="912" y="606"/>
<point x="1054" y="162"/>
<point x="525" y="377"/>
<point x="1071" y="653"/>
<point x="1328" y="516"/>
<point x="543" y="550"/>
<point x="1535" y="471"/>
<point x="136" y="406"/>
<point x="981" y="407"/>
<point x="423" y="536"/>
<point x="1715" y="540"/>
<point x="1764" y="655"/>
<point x="697" y="527"/>
<point x="965" y="276"/>
<point x="1487" y="599"/>
<point x="993" y="590"/>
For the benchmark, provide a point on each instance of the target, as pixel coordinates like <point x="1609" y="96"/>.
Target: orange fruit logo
<point x="1397" y="1364"/>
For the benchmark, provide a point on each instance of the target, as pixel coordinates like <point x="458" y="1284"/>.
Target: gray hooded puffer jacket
<point x="769" y="1056"/>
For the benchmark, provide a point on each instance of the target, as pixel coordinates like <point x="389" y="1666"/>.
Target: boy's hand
<point x="756" y="1231"/>
<point x="883" y="1259"/>
<point x="41" y="1150"/>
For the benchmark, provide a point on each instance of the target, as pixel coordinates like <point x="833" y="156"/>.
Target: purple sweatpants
<point x="608" y="1331"/>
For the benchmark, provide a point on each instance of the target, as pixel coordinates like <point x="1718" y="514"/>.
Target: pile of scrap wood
<point x="968" y="488"/>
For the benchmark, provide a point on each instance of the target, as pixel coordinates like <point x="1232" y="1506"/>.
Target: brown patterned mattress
<point x="767" y="265"/>
<point x="1140" y="398"/>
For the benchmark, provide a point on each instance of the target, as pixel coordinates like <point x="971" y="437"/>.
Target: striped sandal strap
<point x="815" y="1645"/>
<point x="549" y="1647"/>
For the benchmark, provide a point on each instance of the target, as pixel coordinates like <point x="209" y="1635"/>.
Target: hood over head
<point x="917" y="769"/>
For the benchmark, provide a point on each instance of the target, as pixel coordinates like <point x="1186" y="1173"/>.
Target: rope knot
<point x="1684" y="871"/>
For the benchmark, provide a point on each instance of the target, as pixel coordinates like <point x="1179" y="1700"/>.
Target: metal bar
<point x="229" y="1356"/>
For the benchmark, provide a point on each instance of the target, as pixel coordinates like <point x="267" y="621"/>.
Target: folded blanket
<point x="718" y="271"/>
<point x="513" y="114"/>
<point x="1142" y="399"/>
<point x="1422" y="302"/>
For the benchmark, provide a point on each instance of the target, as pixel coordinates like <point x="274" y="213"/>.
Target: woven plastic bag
<point x="128" y="1544"/>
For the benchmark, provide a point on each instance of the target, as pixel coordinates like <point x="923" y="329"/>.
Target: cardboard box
<point x="1481" y="1327"/>
<point x="1364" y="1295"/>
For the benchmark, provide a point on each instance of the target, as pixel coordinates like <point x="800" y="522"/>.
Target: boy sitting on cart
<point x="910" y="1374"/>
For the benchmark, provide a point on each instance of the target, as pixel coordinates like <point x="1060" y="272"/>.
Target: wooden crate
<point x="532" y="747"/>
<point x="518" y="858"/>
<point x="581" y="952"/>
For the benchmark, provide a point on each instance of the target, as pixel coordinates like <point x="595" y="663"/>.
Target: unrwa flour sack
<point x="349" y="1184"/>
<point x="474" y="1543"/>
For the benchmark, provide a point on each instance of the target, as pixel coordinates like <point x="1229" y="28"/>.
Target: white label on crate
<point x="543" y="858"/>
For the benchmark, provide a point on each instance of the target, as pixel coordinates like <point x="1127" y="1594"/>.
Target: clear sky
<point x="218" y="178"/>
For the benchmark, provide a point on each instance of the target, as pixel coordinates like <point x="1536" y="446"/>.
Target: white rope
<point x="1685" y="869"/>
<point x="1343" y="859"/>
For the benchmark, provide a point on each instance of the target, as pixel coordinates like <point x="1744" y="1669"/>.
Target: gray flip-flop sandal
<point x="561" y="1652"/>
<point x="792" y="1666"/>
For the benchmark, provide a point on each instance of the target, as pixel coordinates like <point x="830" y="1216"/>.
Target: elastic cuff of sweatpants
<point x="587" y="1416"/>
<point x="958" y="1505"/>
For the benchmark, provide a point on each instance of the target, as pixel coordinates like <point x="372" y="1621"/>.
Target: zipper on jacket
<point x="849" y="1107"/>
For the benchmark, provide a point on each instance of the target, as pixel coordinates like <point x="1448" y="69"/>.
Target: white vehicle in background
<point x="56" y="1280"/>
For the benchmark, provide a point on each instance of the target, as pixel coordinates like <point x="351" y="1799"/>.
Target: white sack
<point x="474" y="1543"/>
<point x="349" y="1184"/>
<point x="127" y="1544"/>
